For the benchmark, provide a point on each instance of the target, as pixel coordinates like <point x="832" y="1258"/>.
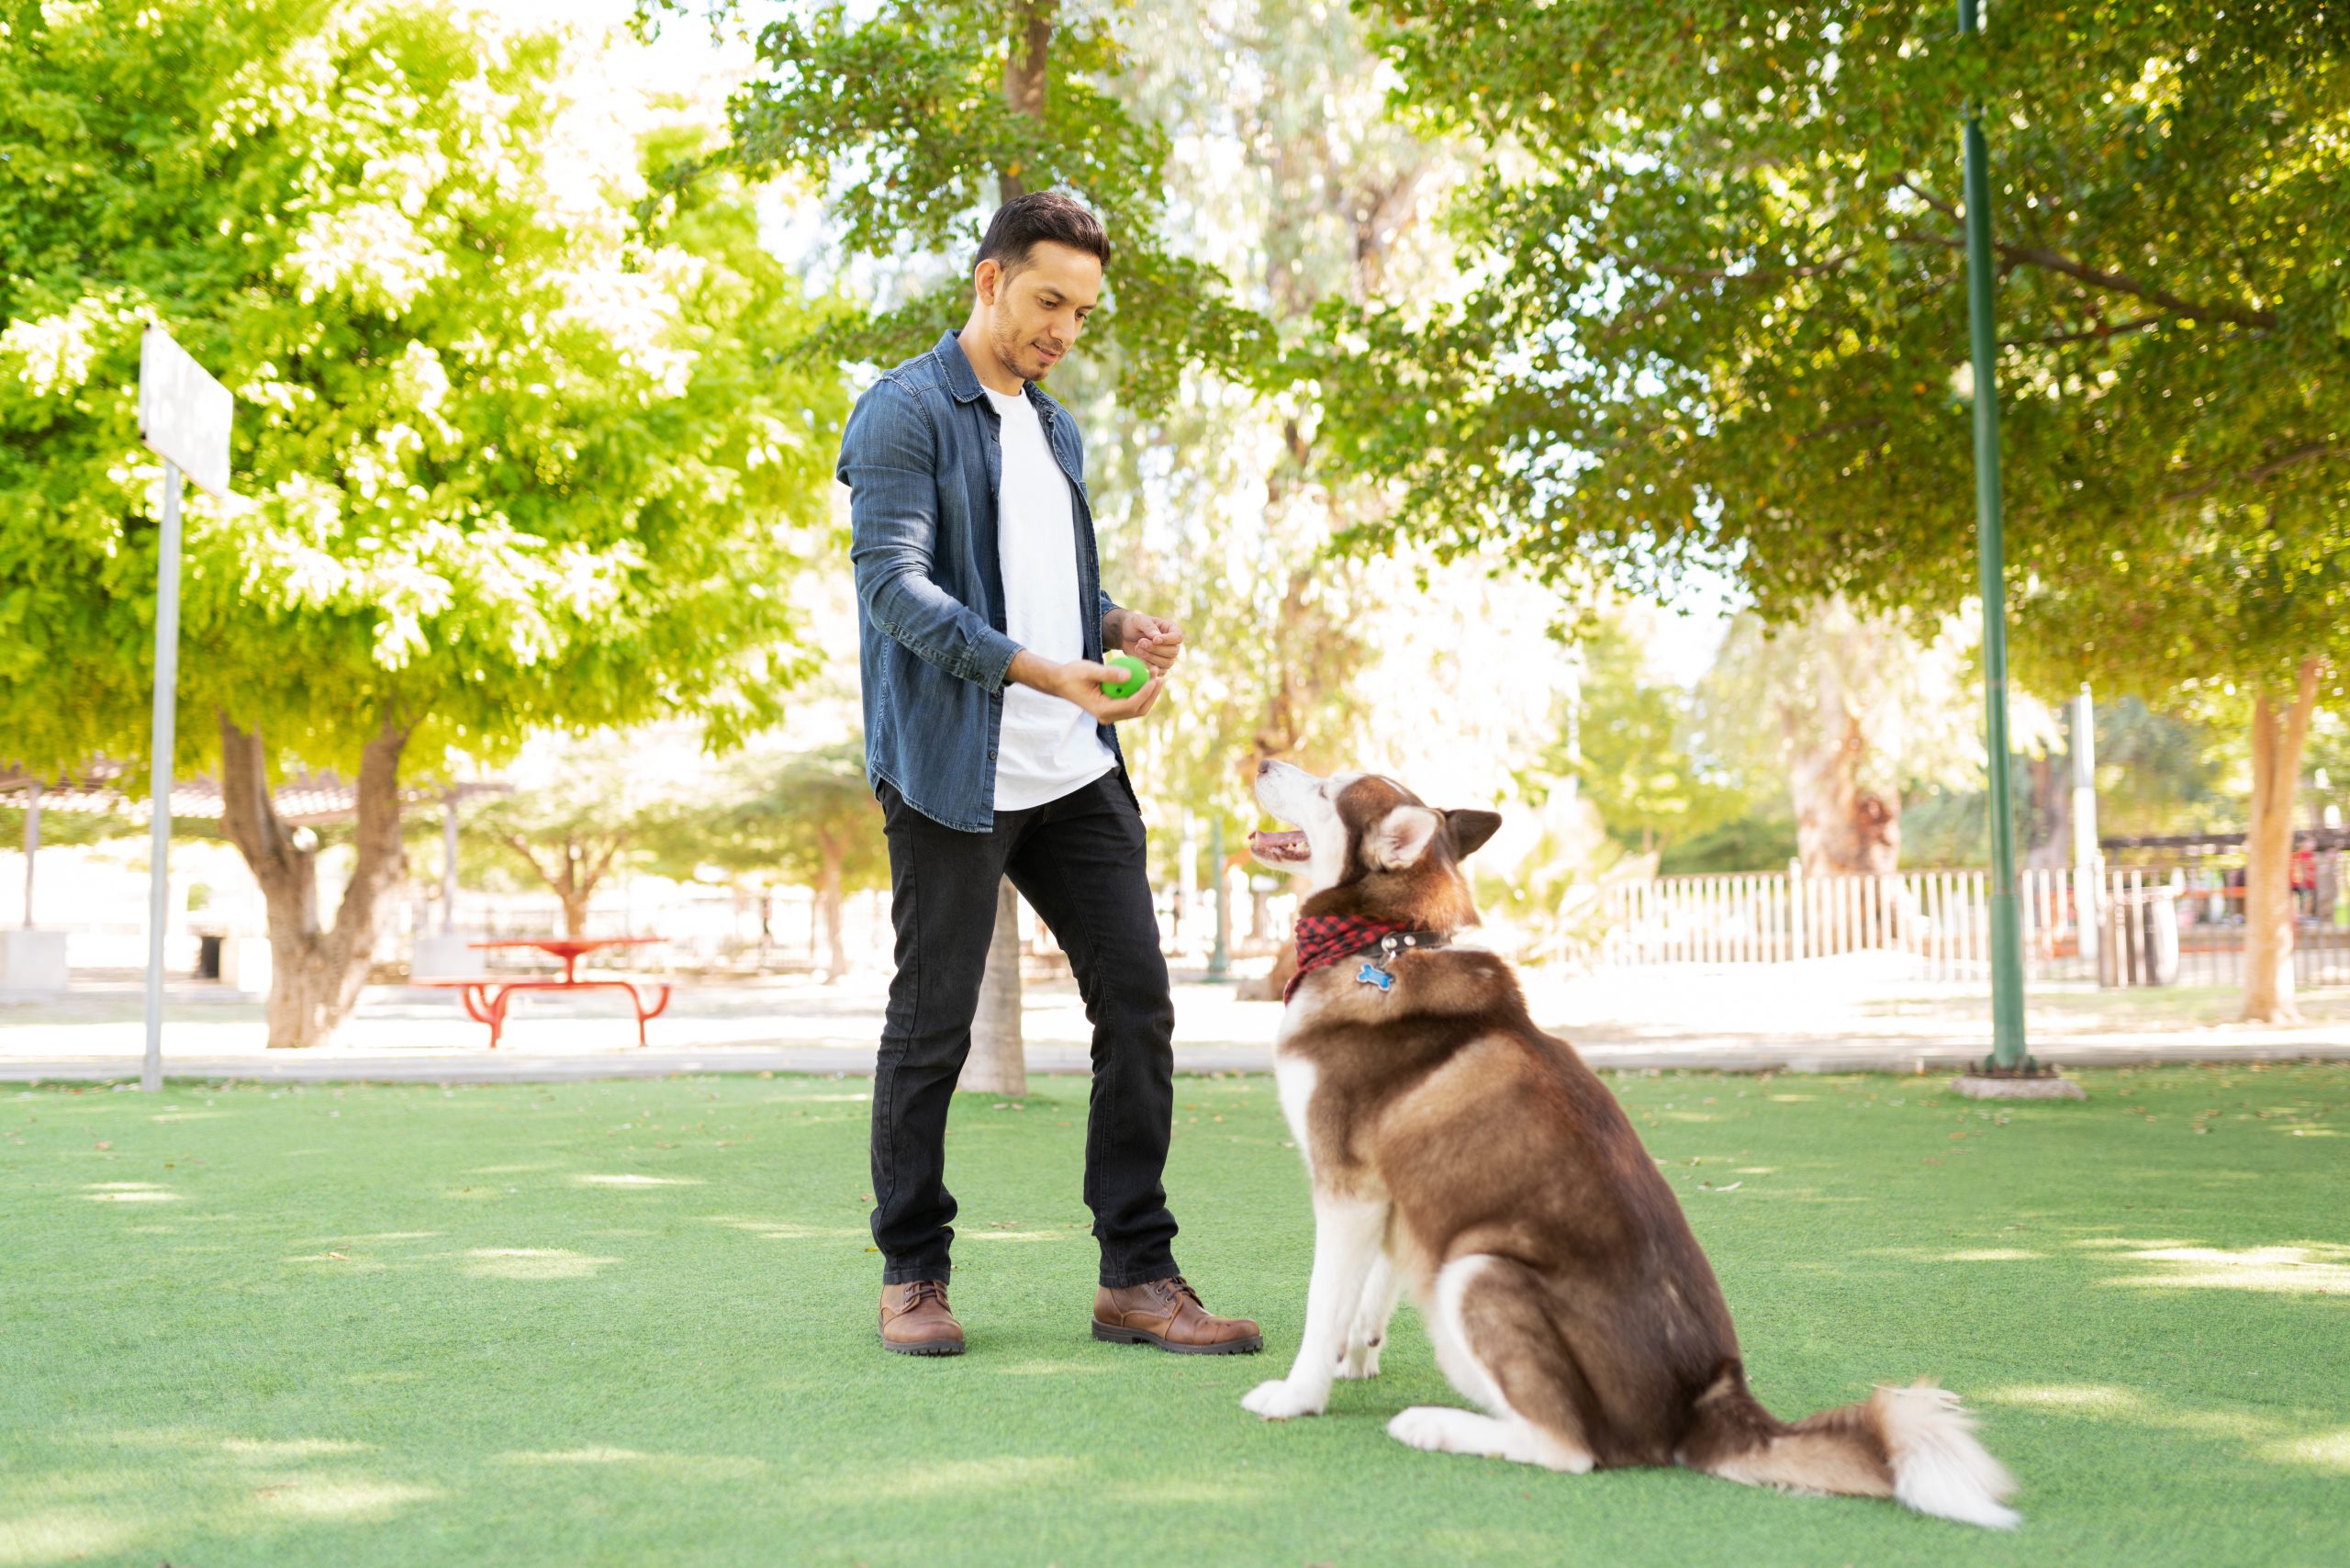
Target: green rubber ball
<point x="1137" y="675"/>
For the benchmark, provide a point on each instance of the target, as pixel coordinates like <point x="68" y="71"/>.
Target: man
<point x="981" y="625"/>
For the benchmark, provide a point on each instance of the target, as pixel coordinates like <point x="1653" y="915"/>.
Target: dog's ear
<point x="1402" y="837"/>
<point x="1471" y="829"/>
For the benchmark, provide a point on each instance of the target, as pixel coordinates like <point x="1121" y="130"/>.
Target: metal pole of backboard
<point x="184" y="415"/>
<point x="159" y="842"/>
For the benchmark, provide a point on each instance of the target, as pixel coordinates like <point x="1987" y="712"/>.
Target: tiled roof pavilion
<point x="302" y="797"/>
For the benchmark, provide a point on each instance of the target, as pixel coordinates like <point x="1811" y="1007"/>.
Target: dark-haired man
<point x="981" y="626"/>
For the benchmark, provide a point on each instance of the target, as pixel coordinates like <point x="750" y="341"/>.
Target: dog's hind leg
<point x="1494" y="1344"/>
<point x="1349" y="1236"/>
<point x="1368" y="1331"/>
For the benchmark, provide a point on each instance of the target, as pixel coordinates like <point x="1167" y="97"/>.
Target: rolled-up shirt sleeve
<point x="887" y="455"/>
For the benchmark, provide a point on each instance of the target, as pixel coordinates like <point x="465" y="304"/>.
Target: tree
<point x="1846" y="710"/>
<point x="800" y="818"/>
<point x="505" y="457"/>
<point x="1625" y="742"/>
<point x="567" y="843"/>
<point x="1296" y="186"/>
<point x="1299" y="191"/>
<point x="1720" y="317"/>
<point x="916" y="119"/>
<point x="2160" y="772"/>
<point x="584" y="805"/>
<point x="2269" y="618"/>
<point x="2157" y="773"/>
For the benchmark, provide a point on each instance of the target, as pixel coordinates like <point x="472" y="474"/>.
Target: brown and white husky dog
<point x="1460" y="1153"/>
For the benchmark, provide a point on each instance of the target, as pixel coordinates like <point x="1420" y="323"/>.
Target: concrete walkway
<point x="1831" y="1015"/>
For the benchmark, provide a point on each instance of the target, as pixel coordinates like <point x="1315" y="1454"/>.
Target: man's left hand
<point x="1153" y="639"/>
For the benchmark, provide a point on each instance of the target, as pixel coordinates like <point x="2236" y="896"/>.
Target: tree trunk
<point x="1840" y="826"/>
<point x="574" y="882"/>
<point x="575" y="907"/>
<point x="2051" y="814"/>
<point x="1024" y="65"/>
<point x="315" y="975"/>
<point x="998" y="1063"/>
<point x="2277" y="741"/>
<point x="828" y="905"/>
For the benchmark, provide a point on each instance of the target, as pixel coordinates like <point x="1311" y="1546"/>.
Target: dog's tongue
<point x="1290" y="846"/>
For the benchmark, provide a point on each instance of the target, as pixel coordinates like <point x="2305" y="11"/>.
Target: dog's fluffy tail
<point x="1915" y="1445"/>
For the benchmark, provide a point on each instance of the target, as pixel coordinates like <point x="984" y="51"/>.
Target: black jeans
<point x="1079" y="862"/>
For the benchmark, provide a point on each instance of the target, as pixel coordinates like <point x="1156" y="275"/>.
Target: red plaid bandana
<point x="1324" y="939"/>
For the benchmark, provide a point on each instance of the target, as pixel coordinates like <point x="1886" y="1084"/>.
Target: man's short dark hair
<point x="1019" y="224"/>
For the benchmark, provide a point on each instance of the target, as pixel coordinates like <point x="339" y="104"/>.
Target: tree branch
<point x="380" y="863"/>
<point x="247" y="816"/>
<point x="2308" y="453"/>
<point x="2104" y="330"/>
<point x="1025" y="74"/>
<point x="520" y="845"/>
<point x="603" y="863"/>
<point x="2097" y="278"/>
<point x="1948" y="210"/>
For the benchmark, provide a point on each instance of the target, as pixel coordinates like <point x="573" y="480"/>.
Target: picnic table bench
<point x="486" y="997"/>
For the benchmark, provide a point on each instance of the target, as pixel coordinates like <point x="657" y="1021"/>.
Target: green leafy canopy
<point x="899" y="112"/>
<point x="1714" y="310"/>
<point x="504" y="457"/>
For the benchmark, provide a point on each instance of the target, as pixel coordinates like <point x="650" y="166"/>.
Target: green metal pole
<point x="2007" y="937"/>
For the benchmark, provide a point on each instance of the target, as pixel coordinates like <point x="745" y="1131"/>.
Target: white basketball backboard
<point x="183" y="412"/>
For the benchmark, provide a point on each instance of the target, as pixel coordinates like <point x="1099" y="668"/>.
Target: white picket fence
<point x="1940" y="919"/>
<point x="2156" y="926"/>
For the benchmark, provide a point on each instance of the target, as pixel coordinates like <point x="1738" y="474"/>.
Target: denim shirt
<point x="923" y="456"/>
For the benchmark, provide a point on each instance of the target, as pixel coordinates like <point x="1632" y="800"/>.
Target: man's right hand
<point x="1081" y="681"/>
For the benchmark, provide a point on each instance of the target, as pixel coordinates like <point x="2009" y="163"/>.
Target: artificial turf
<point x="632" y="1323"/>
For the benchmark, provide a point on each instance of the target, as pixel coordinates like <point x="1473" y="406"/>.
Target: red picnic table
<point x="486" y="997"/>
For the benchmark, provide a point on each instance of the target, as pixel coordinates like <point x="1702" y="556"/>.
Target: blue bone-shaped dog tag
<point x="1372" y="974"/>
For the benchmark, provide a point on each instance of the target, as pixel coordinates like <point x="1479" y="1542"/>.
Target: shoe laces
<point x="1180" y="1286"/>
<point x="919" y="1290"/>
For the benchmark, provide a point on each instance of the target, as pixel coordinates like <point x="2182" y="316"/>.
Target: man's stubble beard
<point x="1008" y="345"/>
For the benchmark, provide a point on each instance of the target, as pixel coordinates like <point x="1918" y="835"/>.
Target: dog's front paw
<point x="1360" y="1361"/>
<point x="1279" y="1400"/>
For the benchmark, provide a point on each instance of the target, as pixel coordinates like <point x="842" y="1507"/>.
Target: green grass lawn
<point x="632" y="1323"/>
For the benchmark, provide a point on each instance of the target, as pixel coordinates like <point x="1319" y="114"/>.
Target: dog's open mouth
<point x="1289" y="846"/>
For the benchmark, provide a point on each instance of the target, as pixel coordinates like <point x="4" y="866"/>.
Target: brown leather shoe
<point x="1168" y="1314"/>
<point x="917" y="1320"/>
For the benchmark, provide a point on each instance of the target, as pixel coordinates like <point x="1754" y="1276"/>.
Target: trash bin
<point x="2141" y="939"/>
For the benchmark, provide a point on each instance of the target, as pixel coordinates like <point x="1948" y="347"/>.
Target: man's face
<point x="1036" y="313"/>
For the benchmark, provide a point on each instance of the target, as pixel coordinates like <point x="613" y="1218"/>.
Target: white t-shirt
<point x="1049" y="746"/>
